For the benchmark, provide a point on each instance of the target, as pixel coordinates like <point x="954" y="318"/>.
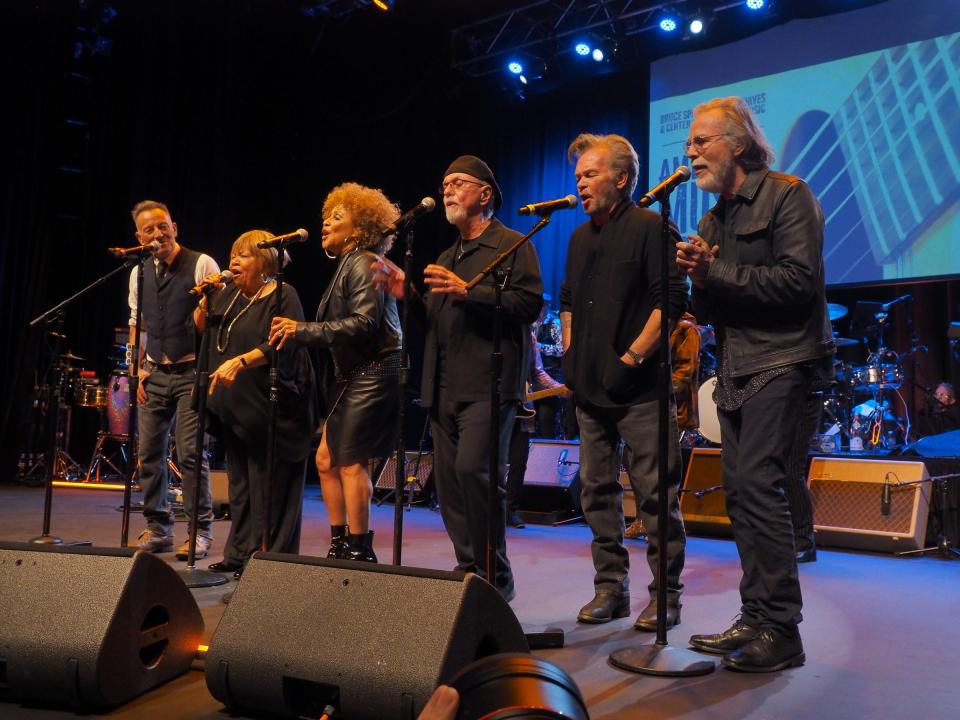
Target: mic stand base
<point x="543" y="637"/>
<point x="54" y="540"/>
<point x="194" y="577"/>
<point x="662" y="660"/>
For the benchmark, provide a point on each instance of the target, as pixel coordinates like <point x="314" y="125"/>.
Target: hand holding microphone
<point x="212" y="282"/>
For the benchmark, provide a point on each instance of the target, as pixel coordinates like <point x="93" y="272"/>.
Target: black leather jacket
<point x="765" y="292"/>
<point x="356" y="321"/>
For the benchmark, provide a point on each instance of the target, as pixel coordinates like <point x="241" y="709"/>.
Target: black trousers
<point x="519" y="454"/>
<point x="758" y="439"/>
<point x="247" y="475"/>
<point x="461" y="462"/>
<point x="796" y="488"/>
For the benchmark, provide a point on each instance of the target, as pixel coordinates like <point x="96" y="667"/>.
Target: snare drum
<point x="709" y="420"/>
<point x="870" y="378"/>
<point x="90" y="395"/>
<point x="118" y="412"/>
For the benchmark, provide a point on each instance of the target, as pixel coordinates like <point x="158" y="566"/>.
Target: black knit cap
<point x="474" y="166"/>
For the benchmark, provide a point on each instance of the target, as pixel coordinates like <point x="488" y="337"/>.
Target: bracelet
<point x="637" y="357"/>
<point x="243" y="360"/>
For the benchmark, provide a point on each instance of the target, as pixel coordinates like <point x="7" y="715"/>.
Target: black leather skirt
<point x="363" y="421"/>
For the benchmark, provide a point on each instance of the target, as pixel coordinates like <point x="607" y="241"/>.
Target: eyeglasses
<point x="456" y="184"/>
<point x="700" y="141"/>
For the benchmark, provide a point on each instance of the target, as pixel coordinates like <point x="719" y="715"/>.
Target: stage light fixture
<point x="668" y="24"/>
<point x="695" y="26"/>
<point x="515" y="67"/>
<point x="385" y="5"/>
<point x="755" y="4"/>
<point x="597" y="55"/>
<point x="582" y="48"/>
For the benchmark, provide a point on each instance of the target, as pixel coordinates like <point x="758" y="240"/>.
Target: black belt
<point x="173" y="368"/>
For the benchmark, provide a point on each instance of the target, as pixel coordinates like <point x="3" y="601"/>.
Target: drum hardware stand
<point x="101" y="458"/>
<point x="660" y="658"/>
<point x="944" y="546"/>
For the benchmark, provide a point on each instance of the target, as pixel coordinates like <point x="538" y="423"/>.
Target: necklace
<point x="221" y="343"/>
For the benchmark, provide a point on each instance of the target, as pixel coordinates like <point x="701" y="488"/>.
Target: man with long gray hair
<point x="757" y="270"/>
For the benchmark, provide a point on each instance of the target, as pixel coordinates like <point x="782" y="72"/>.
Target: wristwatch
<point x="243" y="361"/>
<point x="637" y="357"/>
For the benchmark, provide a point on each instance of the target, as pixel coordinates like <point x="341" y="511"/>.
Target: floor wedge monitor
<point x="91" y="628"/>
<point x="373" y="641"/>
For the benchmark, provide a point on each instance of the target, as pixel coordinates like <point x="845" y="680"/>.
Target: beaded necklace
<point x="221" y="343"/>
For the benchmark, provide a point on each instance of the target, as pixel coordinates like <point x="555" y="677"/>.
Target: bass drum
<point x="709" y="420"/>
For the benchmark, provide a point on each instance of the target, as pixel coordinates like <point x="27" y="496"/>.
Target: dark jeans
<point x="461" y="463"/>
<point x="169" y="396"/>
<point x="602" y="495"/>
<point x="796" y="488"/>
<point x="757" y="442"/>
<point x="247" y="474"/>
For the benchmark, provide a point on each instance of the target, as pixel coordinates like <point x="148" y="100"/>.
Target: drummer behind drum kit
<point x="857" y="407"/>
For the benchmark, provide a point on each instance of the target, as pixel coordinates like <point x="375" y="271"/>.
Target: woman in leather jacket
<point x="360" y="326"/>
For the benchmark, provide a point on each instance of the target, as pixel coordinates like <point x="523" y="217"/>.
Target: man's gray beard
<point x="455" y="214"/>
<point x="719" y="180"/>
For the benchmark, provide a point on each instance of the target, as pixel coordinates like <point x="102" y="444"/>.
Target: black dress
<point x="360" y="326"/>
<point x="239" y="416"/>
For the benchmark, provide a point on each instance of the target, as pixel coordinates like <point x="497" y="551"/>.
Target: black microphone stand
<point x="191" y="575"/>
<point x="660" y="658"/>
<point x="133" y="419"/>
<point x="401" y="455"/>
<point x="542" y="637"/>
<point x="944" y="546"/>
<point x="53" y="400"/>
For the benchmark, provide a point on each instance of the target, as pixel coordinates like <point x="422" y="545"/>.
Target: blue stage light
<point x="582" y="49"/>
<point x="668" y="24"/>
<point x="755" y="4"/>
<point x="696" y="26"/>
<point x="515" y="67"/>
<point x="597" y="54"/>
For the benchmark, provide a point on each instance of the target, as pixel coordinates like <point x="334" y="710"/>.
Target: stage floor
<point x="881" y="633"/>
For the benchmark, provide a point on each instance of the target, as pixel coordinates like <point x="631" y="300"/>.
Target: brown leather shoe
<point x="151" y="542"/>
<point x="635" y="531"/>
<point x="647" y="619"/>
<point x="203" y="547"/>
<point x="733" y="638"/>
<point x="605" y="606"/>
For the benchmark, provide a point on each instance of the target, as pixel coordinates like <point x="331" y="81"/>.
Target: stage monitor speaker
<point x="702" y="503"/>
<point x="847" y="496"/>
<point x="220" y="493"/>
<point x="386" y="477"/>
<point x="341" y="633"/>
<point x="551" y="484"/>
<point x="91" y="628"/>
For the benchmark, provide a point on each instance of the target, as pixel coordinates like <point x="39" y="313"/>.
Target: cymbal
<point x="69" y="356"/>
<point x="844" y="342"/>
<point x="835" y="311"/>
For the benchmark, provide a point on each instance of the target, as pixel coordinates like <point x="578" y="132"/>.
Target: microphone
<point x="680" y="175"/>
<point x="280" y="241"/>
<point x="886" y="306"/>
<point x="885" y="498"/>
<point x="225" y="277"/>
<point x="548" y="206"/>
<point x="149" y="247"/>
<point x="563" y="457"/>
<point x="426" y="205"/>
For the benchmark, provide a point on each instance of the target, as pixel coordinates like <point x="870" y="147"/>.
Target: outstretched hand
<point x="388" y="277"/>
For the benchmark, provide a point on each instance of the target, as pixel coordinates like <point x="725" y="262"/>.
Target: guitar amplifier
<point x="551" y="484"/>
<point x="847" y="503"/>
<point x="702" y="502"/>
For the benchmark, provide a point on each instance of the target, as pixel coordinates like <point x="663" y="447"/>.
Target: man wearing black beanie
<point x="456" y="366"/>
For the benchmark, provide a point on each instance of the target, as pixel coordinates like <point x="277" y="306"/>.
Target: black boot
<point x="338" y="542"/>
<point x="361" y="548"/>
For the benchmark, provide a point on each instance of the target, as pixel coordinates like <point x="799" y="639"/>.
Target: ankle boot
<point x="361" y="548"/>
<point x="338" y="542"/>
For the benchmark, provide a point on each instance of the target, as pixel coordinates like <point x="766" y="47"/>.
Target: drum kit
<point x="857" y="407"/>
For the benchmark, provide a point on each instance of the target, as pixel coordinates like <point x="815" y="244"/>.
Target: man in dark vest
<point x="167" y="369"/>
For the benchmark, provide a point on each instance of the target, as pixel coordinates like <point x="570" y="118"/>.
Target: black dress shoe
<point x="807" y="555"/>
<point x="224" y="566"/>
<point x="514" y="520"/>
<point x="770" y="651"/>
<point x="605" y="606"/>
<point x="647" y="619"/>
<point x="733" y="638"/>
<point x="238" y="573"/>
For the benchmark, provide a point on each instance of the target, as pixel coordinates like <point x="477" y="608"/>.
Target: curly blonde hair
<point x="370" y="210"/>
